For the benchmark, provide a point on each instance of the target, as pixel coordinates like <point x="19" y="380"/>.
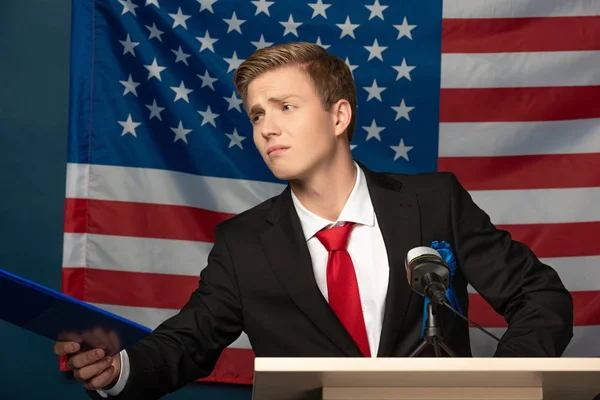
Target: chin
<point x="285" y="173"/>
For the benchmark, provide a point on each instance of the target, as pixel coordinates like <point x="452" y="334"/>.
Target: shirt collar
<point x="358" y="209"/>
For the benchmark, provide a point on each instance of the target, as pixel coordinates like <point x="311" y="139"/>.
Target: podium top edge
<point x="399" y="364"/>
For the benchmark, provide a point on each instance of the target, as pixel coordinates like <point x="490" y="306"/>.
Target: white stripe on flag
<point x="540" y="206"/>
<point x="504" y="206"/>
<point x="519" y="8"/>
<point x="484" y="139"/>
<point x="131" y="255"/>
<point x="174" y="188"/>
<point x="77" y="180"/>
<point x="74" y="249"/>
<point x="527" y="69"/>
<point x="576" y="273"/>
<point x="152" y="317"/>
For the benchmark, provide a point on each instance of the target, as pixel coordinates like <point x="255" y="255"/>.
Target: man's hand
<point x="90" y="367"/>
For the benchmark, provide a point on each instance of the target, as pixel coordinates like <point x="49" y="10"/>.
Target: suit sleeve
<point x="508" y="275"/>
<point x="187" y="346"/>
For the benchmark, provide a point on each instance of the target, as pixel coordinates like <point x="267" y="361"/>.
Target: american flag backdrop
<point x="504" y="93"/>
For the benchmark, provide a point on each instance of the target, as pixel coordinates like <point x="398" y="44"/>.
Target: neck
<point x="326" y="191"/>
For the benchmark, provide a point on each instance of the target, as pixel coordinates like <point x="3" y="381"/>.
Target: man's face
<point x="291" y="130"/>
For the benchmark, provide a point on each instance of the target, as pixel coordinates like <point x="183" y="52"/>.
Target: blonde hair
<point x="331" y="77"/>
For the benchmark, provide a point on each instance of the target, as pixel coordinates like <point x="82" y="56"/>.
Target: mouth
<point x="276" y="150"/>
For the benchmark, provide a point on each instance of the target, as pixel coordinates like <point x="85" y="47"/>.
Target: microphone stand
<point x="433" y="334"/>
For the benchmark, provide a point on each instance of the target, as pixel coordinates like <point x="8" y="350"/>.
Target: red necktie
<point x="342" y="286"/>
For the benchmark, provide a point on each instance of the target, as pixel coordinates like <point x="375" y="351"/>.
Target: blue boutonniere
<point x="446" y="253"/>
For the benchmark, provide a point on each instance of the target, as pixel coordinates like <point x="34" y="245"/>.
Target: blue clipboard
<point x="57" y="316"/>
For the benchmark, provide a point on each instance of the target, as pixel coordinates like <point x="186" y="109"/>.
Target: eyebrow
<point x="274" y="100"/>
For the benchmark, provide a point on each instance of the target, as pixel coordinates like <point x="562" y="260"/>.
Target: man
<point x="271" y="270"/>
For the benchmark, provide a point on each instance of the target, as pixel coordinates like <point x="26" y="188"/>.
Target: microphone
<point x="428" y="274"/>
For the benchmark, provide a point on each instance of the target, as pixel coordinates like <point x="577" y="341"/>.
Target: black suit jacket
<point x="259" y="279"/>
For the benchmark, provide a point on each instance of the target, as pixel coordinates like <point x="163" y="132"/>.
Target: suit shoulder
<point x="424" y="181"/>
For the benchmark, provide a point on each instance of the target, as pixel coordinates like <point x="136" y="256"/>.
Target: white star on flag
<point x="261" y="44"/>
<point x="325" y="46"/>
<point x="235" y="139"/>
<point x="181" y="92"/>
<point x="401" y="150"/>
<point x="129" y="126"/>
<point x="154" y="32"/>
<point x="206" y="5"/>
<point x="290" y="26"/>
<point x="348" y="28"/>
<point x="352" y="67"/>
<point x="154" y="70"/>
<point x="208" y="117"/>
<point x="319" y="8"/>
<point x="128" y="45"/>
<point x="402" y="111"/>
<point x="262" y="6"/>
<point x="155" y="110"/>
<point x="373" y="131"/>
<point x="179" y="19"/>
<point x="207" y="80"/>
<point x="404" y="29"/>
<point x="374" y="91"/>
<point x="128" y="6"/>
<point x="376" y="10"/>
<point x="152" y="2"/>
<point x="234" y="62"/>
<point x="234" y="23"/>
<point x="180" y="133"/>
<point x="233" y="102"/>
<point x="181" y="56"/>
<point x="207" y="42"/>
<point x="403" y="70"/>
<point x="375" y="51"/>
<point x="130" y="86"/>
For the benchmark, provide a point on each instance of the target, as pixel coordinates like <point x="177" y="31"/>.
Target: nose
<point x="269" y="126"/>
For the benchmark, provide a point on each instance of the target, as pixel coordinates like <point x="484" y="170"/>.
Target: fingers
<point x="91" y="370"/>
<point x="62" y="348"/>
<point x="101" y="380"/>
<point x="86" y="358"/>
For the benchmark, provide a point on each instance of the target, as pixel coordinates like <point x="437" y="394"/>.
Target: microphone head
<point x="425" y="260"/>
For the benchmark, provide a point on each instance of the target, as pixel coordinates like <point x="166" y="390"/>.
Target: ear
<point x="342" y="114"/>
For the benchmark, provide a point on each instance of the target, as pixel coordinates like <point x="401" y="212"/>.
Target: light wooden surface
<point x="426" y="378"/>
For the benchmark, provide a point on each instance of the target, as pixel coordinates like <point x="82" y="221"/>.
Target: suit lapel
<point x="398" y="217"/>
<point x="290" y="261"/>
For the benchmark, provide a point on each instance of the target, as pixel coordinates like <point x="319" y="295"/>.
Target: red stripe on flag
<point x="75" y="215"/>
<point x="500" y="35"/>
<point x="546" y="240"/>
<point x="519" y="104"/>
<point x="120" y="218"/>
<point x="559" y="239"/>
<point x="586" y="306"/>
<point x="525" y="172"/>
<point x="114" y="287"/>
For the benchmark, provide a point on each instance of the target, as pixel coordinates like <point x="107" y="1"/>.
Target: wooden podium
<point x="426" y="378"/>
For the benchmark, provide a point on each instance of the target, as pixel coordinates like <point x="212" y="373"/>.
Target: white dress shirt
<point x="366" y="248"/>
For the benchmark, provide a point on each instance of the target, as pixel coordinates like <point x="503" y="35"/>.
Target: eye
<point x="287" y="106"/>
<point x="255" y="117"/>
